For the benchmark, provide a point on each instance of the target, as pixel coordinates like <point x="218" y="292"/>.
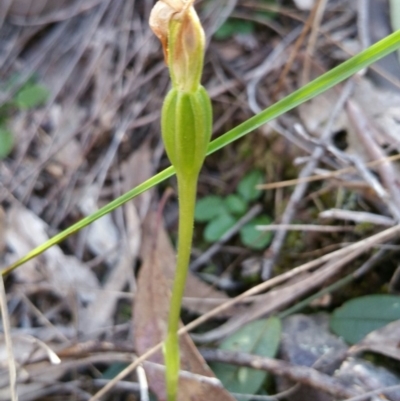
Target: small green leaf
<point x="216" y="228"/>
<point x="235" y="204"/>
<point x="261" y="337"/>
<point x="6" y="142"/>
<point x="247" y="185"/>
<point x="209" y="207"/>
<point x="31" y="96"/>
<point x="358" y="317"/>
<point x="253" y="238"/>
<point x="232" y="27"/>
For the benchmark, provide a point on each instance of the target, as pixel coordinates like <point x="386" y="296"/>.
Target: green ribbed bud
<point x="186" y="126"/>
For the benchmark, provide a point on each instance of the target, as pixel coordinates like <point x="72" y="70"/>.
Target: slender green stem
<point x="187" y="199"/>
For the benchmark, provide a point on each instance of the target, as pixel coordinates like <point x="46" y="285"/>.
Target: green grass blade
<point x="307" y="92"/>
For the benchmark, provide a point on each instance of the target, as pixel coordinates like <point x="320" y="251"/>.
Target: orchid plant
<point x="186" y="130"/>
<point x="186" y="125"/>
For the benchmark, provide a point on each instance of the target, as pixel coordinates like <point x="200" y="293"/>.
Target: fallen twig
<point x="319" y="177"/>
<point x="358" y="217"/>
<point x="304" y="227"/>
<point x="366" y="132"/>
<point x="382" y="391"/>
<point x="299" y="374"/>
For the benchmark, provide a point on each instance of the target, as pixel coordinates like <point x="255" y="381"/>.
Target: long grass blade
<point x="307" y="92"/>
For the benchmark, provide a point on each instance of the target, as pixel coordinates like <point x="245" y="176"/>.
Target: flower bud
<point x="177" y="25"/>
<point x="186" y="43"/>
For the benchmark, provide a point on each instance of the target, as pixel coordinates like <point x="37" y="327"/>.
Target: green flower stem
<point x="187" y="198"/>
<point x="186" y="126"/>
